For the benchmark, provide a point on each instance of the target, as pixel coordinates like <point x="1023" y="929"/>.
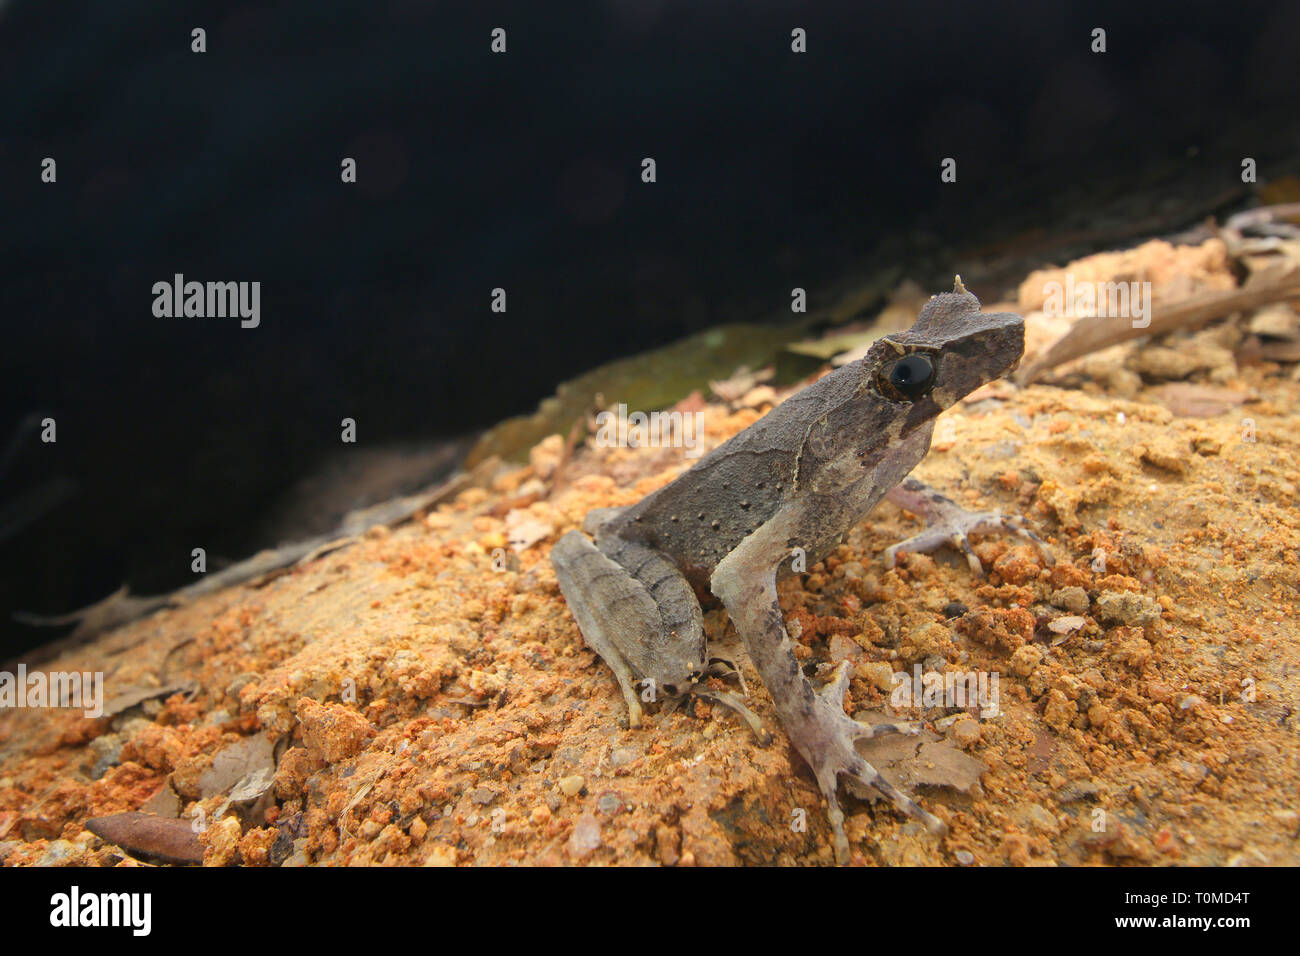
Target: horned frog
<point x="799" y="478"/>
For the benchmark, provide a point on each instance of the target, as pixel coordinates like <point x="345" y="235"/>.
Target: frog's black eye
<point x="911" y="377"/>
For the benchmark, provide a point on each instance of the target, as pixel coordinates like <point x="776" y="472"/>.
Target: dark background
<point x="520" y="171"/>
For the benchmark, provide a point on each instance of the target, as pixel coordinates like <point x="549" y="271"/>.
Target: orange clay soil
<point x="423" y="696"/>
<point x="432" y="702"/>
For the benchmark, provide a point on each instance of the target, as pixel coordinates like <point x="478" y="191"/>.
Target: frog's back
<point x="703" y="515"/>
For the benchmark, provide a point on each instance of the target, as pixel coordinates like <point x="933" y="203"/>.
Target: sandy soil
<point x="423" y="696"/>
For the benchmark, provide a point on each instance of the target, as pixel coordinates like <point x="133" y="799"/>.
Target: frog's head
<point x="951" y="350"/>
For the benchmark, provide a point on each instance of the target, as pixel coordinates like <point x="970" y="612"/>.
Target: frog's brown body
<point x="799" y="478"/>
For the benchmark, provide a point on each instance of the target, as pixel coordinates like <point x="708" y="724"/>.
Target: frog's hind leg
<point x="636" y="609"/>
<point x="599" y="592"/>
<point x="818" y="727"/>
<point x="597" y="517"/>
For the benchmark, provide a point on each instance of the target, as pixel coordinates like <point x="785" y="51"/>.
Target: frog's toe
<point x="866" y="774"/>
<point x="634" y="712"/>
<point x="955" y="528"/>
<point x="947" y="522"/>
<point x="885" y="729"/>
<point x="727" y="670"/>
<point x="988" y="522"/>
<point x="833" y="694"/>
<point x="828" y="781"/>
<point x="1019" y="526"/>
<point x="931" y="539"/>
<point x="829" y="749"/>
<point x="837" y="686"/>
<point x="734" y="703"/>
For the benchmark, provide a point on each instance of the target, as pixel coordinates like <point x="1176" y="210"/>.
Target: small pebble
<point x="585" y="837"/>
<point x="1078" y="790"/>
<point x="965" y="731"/>
<point x="623" y="756"/>
<point x="59" y="853"/>
<point x="1125" y="607"/>
<point x="1073" y="599"/>
<point x="1040" y="819"/>
<point x="440" y="855"/>
<point x="609" y="803"/>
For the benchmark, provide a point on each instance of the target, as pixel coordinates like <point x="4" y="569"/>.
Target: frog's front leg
<point x="947" y="522"/>
<point x="745" y="581"/>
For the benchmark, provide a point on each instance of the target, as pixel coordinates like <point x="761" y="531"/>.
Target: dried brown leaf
<point x="1190" y="400"/>
<point x="170" y="841"/>
<point x="237" y="763"/>
<point x="922" y="760"/>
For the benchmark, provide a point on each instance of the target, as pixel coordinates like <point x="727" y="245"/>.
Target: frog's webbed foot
<point x="947" y="522"/>
<point x="834" y="735"/>
<point x="833" y="694"/>
<point x="828" y="746"/>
